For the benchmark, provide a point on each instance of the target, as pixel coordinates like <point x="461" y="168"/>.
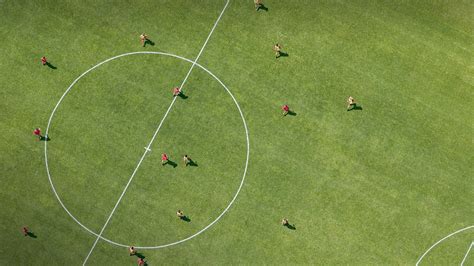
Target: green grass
<point x="376" y="186"/>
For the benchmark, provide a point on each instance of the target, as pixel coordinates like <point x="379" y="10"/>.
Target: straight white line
<point x="467" y="253"/>
<point x="154" y="136"/>
<point x="96" y="66"/>
<point x="205" y="43"/>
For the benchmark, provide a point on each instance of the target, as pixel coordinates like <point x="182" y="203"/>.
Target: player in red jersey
<point x="285" y="109"/>
<point x="176" y="91"/>
<point x="25" y="230"/>
<point x="164" y="159"/>
<point x="44" y="61"/>
<point x="37" y="132"/>
<point x="141" y="262"/>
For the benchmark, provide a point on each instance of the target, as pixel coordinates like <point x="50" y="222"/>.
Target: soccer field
<point x="389" y="182"/>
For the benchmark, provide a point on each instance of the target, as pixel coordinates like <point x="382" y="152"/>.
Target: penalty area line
<point x="147" y="149"/>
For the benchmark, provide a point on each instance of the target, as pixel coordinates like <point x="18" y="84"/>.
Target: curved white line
<point x="441" y="240"/>
<point x="165" y="54"/>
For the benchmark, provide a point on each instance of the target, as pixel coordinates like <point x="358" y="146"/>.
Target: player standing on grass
<point x="350" y="103"/>
<point x="176" y="91"/>
<point x="285" y="109"/>
<point x="37" y="132"/>
<point x="180" y="214"/>
<point x="285" y="222"/>
<point x="186" y="160"/>
<point x="164" y="159"/>
<point x="25" y="231"/>
<point x="44" y="61"/>
<point x="258" y="4"/>
<point x="277" y="50"/>
<point x="143" y="39"/>
<point x="141" y="262"/>
<point x="132" y="251"/>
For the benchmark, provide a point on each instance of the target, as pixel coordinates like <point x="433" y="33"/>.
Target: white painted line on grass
<point x="441" y="240"/>
<point x="467" y="253"/>
<point x="154" y="136"/>
<point x="115" y="207"/>
<point x="194" y="235"/>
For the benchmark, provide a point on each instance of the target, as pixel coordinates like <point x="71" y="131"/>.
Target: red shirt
<point x="141" y="261"/>
<point x="43" y="59"/>
<point x="37" y="131"/>
<point x="25" y="230"/>
<point x="176" y="90"/>
<point x="285" y="108"/>
<point x="164" y="157"/>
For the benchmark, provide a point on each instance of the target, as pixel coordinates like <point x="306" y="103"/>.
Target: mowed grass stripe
<point x="121" y="111"/>
<point x="370" y="187"/>
<point x="207" y="127"/>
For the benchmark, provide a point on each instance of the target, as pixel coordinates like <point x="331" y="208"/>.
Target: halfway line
<point x="154" y="136"/>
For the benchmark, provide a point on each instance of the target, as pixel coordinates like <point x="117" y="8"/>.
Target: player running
<point x="277" y="50"/>
<point x="132" y="251"/>
<point x="186" y="160"/>
<point x="176" y="91"/>
<point x="286" y="109"/>
<point x="25" y="231"/>
<point x="164" y="159"/>
<point x="351" y="103"/>
<point x="143" y="39"/>
<point x="37" y="132"/>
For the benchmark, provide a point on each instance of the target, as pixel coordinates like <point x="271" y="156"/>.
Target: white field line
<point x="108" y="60"/>
<point x="467" y="253"/>
<point x="441" y="240"/>
<point x="154" y="136"/>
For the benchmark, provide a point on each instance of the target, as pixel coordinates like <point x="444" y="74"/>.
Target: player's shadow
<point x="171" y="163"/>
<point x="140" y="255"/>
<point x="290" y="226"/>
<point x="192" y="163"/>
<point x="44" y="138"/>
<point x="148" y="42"/>
<point x="291" y="113"/>
<point x="185" y="218"/>
<point x="355" y="107"/>
<point x="32" y="235"/>
<point x="262" y="7"/>
<point x="50" y="65"/>
<point x="283" y="54"/>
<point x="182" y="96"/>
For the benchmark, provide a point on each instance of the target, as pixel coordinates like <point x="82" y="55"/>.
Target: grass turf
<point x="376" y="186"/>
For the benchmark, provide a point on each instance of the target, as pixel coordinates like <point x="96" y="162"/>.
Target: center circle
<point x="184" y="239"/>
